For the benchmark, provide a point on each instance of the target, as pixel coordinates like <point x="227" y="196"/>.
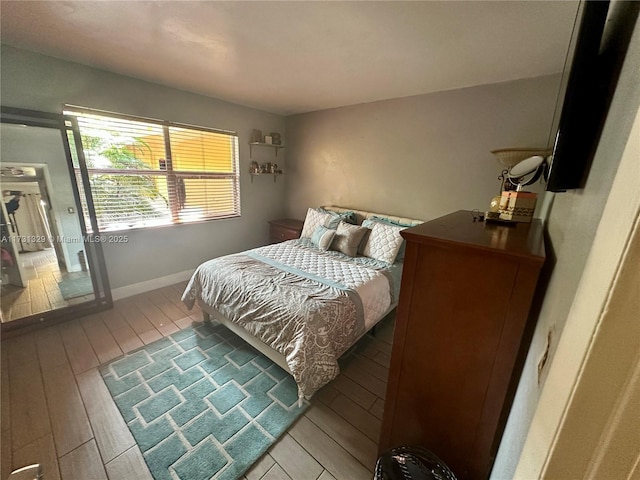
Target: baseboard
<point x="136" y="288"/>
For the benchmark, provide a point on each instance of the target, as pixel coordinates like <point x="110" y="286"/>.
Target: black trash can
<point x="411" y="463"/>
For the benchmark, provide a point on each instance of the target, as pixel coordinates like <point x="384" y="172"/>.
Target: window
<point x="144" y="173"/>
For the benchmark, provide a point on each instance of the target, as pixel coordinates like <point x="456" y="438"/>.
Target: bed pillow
<point x="388" y="221"/>
<point x="319" y="216"/>
<point x="384" y="241"/>
<point x="313" y="220"/>
<point x="322" y="237"/>
<point x="348" y="238"/>
<point x="348" y="216"/>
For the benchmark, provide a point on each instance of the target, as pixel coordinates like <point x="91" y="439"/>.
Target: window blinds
<point x="144" y="173"/>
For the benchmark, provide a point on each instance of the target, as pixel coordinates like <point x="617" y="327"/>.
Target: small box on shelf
<point x="256" y="136"/>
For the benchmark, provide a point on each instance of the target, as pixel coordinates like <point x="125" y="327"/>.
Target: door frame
<point x="43" y="180"/>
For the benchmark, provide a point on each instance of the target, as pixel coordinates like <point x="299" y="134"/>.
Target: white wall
<point x="572" y="224"/>
<point x="600" y="348"/>
<point x="428" y="155"/>
<point x="419" y="157"/>
<point x="38" y="82"/>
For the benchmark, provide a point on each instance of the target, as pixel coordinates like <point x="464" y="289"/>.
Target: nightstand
<point x="284" y="229"/>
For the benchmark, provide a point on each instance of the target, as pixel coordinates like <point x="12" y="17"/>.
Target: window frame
<point x="73" y="112"/>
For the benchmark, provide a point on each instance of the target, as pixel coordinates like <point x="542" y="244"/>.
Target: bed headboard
<point x="362" y="215"/>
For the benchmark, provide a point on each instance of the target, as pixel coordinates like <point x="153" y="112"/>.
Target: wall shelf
<point x="275" y="175"/>
<point x="262" y="144"/>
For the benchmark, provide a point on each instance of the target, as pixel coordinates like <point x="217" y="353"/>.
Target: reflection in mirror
<point x="44" y="259"/>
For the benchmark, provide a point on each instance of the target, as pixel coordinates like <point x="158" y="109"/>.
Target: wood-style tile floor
<point x="42" y="293"/>
<point x="57" y="411"/>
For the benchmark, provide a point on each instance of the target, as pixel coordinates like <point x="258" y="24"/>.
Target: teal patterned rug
<point x="77" y="287"/>
<point x="202" y="403"/>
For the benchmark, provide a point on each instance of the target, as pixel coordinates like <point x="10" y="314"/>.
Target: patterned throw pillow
<point x="313" y="220"/>
<point x="348" y="216"/>
<point x="384" y="241"/>
<point x="348" y="238"/>
<point x="323" y="237"/>
<point x="388" y="221"/>
<point x="319" y="216"/>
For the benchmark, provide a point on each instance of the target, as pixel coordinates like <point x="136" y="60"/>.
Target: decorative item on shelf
<point x="268" y="139"/>
<point x="264" y="169"/>
<point x="275" y="136"/>
<point x="256" y="135"/>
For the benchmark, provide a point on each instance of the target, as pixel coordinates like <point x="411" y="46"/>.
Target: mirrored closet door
<point x="52" y="267"/>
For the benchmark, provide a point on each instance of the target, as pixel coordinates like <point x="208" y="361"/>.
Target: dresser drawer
<point x="287" y="229"/>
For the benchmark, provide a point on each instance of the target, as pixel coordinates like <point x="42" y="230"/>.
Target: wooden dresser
<point x="464" y="303"/>
<point x="284" y="229"/>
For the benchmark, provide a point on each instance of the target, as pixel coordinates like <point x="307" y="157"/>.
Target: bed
<point x="305" y="302"/>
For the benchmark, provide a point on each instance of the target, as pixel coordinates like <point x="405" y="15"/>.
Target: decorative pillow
<point x="384" y="241"/>
<point x="388" y="221"/>
<point x="349" y="217"/>
<point x="319" y="216"/>
<point x="322" y="237"/>
<point x="313" y="220"/>
<point x="348" y="238"/>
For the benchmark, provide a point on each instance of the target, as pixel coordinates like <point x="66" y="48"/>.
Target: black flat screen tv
<point x="585" y="101"/>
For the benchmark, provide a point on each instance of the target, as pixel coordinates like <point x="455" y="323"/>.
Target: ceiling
<point x="300" y="56"/>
